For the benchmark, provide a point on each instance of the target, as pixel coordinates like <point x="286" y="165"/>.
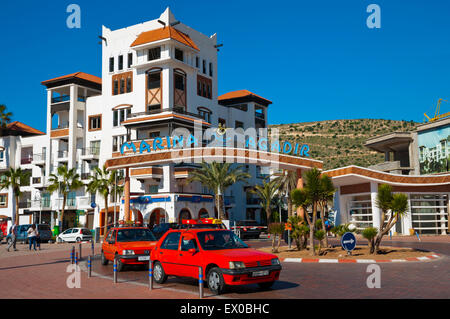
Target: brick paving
<point x="42" y="274"/>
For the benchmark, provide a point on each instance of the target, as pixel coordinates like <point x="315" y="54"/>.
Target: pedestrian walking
<point x="32" y="236"/>
<point x="13" y="233"/>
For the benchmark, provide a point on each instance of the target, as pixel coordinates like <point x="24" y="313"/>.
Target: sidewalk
<point x="42" y="274"/>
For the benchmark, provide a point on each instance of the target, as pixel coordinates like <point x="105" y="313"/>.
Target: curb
<point x="366" y="261"/>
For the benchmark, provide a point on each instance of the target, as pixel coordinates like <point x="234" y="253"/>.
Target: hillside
<point x="341" y="142"/>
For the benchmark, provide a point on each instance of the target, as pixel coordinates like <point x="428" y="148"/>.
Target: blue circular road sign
<point x="348" y="241"/>
<point x="93" y="205"/>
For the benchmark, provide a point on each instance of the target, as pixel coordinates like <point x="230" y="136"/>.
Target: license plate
<point x="144" y="258"/>
<point x="260" y="273"/>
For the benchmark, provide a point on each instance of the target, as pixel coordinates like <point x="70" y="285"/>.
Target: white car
<point x="74" y="235"/>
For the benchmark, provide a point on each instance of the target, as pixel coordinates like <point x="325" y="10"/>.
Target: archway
<point x="203" y="213"/>
<point x="156" y="217"/>
<point x="184" y="214"/>
<point x="138" y="219"/>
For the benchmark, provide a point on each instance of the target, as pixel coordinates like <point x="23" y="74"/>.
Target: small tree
<point x="5" y="118"/>
<point x="15" y="178"/>
<point x="276" y="230"/>
<point x="320" y="235"/>
<point x="266" y="192"/>
<point x="394" y="205"/>
<point x="64" y="181"/>
<point x="370" y="233"/>
<point x="299" y="231"/>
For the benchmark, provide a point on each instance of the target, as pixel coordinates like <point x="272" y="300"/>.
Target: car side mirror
<point x="192" y="251"/>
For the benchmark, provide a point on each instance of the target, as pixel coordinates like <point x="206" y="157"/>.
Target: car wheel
<point x="120" y="265"/>
<point x="266" y="285"/>
<point x="215" y="281"/>
<point x="78" y="239"/>
<point x="104" y="260"/>
<point x="158" y="273"/>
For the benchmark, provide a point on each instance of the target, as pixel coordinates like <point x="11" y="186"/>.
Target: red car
<point x="130" y="245"/>
<point x="224" y="258"/>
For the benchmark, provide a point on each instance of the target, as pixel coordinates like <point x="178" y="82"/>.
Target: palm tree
<point x="387" y="202"/>
<point x="218" y="177"/>
<point x="326" y="196"/>
<point x="104" y="182"/>
<point x="309" y="196"/>
<point x="288" y="182"/>
<point x="15" y="178"/>
<point x="5" y="118"/>
<point x="266" y="192"/>
<point x="64" y="181"/>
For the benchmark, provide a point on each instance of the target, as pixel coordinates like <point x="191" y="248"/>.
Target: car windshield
<point x="135" y="235"/>
<point x="216" y="240"/>
<point x="43" y="227"/>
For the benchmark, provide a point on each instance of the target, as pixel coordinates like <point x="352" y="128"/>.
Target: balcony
<point x="90" y="153"/>
<point x="40" y="204"/>
<point x="38" y="159"/>
<point x="71" y="203"/>
<point x="62" y="156"/>
<point x="26" y="159"/>
<point x="66" y="98"/>
<point x="84" y="202"/>
<point x="85" y="177"/>
<point x="25" y="203"/>
<point x="172" y="113"/>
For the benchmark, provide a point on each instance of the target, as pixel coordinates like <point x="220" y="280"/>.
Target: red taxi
<point x="224" y="258"/>
<point x="130" y="245"/>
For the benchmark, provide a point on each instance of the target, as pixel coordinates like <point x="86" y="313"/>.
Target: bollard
<point x="150" y="274"/>
<point x="92" y="246"/>
<point x="76" y="258"/>
<point x="289" y="238"/>
<point x="71" y="256"/>
<point x="417" y="234"/>
<point x="115" y="271"/>
<point x="89" y="266"/>
<point x="200" y="281"/>
<point x="79" y="248"/>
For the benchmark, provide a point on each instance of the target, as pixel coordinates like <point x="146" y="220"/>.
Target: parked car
<point x="249" y="229"/>
<point x="129" y="245"/>
<point x="22" y="233"/>
<point x="160" y="229"/>
<point x="224" y="258"/>
<point x="77" y="234"/>
<point x="1" y="236"/>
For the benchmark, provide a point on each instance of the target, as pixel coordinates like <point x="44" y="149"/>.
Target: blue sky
<point x="316" y="60"/>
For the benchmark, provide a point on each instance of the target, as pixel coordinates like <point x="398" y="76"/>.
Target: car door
<point x="65" y="235"/>
<point x="168" y="253"/>
<point x="188" y="261"/>
<point x="109" y="243"/>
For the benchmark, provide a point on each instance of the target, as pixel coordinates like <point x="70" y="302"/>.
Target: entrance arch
<point x="184" y="214"/>
<point x="203" y="213"/>
<point x="137" y="216"/>
<point x="155" y="217"/>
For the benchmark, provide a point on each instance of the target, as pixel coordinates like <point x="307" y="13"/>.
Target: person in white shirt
<point x="32" y="233"/>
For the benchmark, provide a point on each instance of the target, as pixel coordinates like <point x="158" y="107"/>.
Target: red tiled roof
<point x="164" y="33"/>
<point x="21" y="127"/>
<point x="79" y="75"/>
<point x="240" y="94"/>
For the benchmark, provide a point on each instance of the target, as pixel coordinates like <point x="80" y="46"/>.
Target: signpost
<point x="348" y="242"/>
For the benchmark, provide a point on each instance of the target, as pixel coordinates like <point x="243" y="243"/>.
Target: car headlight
<point x="128" y="252"/>
<point x="236" y="264"/>
<point x="275" y="261"/>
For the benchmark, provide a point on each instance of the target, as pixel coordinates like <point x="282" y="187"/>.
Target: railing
<point x="65" y="98"/>
<point x="70" y="202"/>
<point x="41" y="203"/>
<point x="90" y="151"/>
<point x="26" y="160"/>
<point x="175" y="110"/>
<point x="84" y="201"/>
<point x="25" y="204"/>
<point x="253" y="201"/>
<point x="229" y="200"/>
<point x="62" y="154"/>
<point x="259" y="116"/>
<point x="61" y="126"/>
<point x="38" y="157"/>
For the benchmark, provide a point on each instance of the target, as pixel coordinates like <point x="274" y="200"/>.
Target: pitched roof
<point x="76" y="75"/>
<point x="242" y="94"/>
<point x="20" y="127"/>
<point x="164" y="33"/>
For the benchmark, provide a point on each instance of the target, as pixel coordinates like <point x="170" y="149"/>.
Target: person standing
<point x="13" y="233"/>
<point x="32" y="232"/>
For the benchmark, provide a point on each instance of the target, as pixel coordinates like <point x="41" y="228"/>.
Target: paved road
<point x="428" y="279"/>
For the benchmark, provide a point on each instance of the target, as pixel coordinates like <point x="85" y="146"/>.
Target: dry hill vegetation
<point x="341" y="142"/>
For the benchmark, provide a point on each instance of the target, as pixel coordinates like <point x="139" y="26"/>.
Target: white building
<point x="156" y="76"/>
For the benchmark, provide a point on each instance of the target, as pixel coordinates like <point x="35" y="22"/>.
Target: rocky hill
<point x="341" y="142"/>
